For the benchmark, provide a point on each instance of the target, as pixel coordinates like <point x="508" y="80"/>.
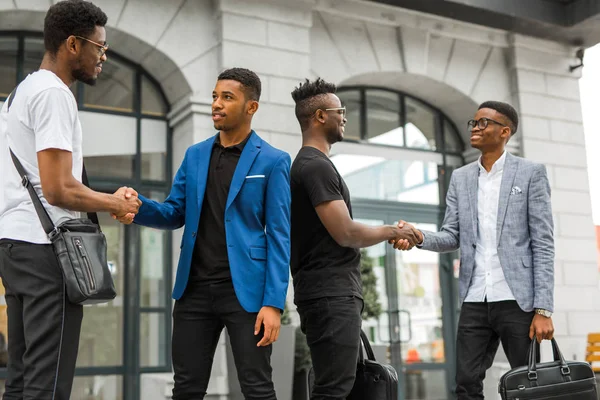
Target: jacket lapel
<point x="511" y="165"/>
<point x="203" y="162"/>
<point x="473" y="189"/>
<point x="247" y="158"/>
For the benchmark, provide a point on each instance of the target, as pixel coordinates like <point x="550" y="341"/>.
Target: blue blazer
<point x="257" y="219"/>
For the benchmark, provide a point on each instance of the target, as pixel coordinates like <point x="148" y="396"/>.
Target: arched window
<point x="386" y="117"/>
<point x="409" y="142"/>
<point x="126" y="142"/>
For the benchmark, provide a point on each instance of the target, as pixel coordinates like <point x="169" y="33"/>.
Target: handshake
<point x="406" y="236"/>
<point x="127" y="205"/>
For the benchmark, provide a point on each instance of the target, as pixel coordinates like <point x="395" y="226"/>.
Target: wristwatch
<point x="543" y="312"/>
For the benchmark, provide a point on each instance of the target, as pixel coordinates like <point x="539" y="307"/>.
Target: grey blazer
<point x="524" y="230"/>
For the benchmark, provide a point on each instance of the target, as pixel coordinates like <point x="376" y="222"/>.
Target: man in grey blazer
<point x="500" y="217"/>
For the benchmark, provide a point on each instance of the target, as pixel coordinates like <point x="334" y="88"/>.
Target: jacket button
<point x="230" y="245"/>
<point x="193" y="234"/>
<point x="474" y="246"/>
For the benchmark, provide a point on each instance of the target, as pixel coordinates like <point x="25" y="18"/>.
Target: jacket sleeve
<point x="278" y="221"/>
<point x="447" y="239"/>
<point x="171" y="213"/>
<point x="541" y="231"/>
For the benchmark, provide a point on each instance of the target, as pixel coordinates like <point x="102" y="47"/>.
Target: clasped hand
<point x="129" y="204"/>
<point x="408" y="236"/>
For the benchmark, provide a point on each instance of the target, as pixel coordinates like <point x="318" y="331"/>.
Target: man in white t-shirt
<point x="42" y="128"/>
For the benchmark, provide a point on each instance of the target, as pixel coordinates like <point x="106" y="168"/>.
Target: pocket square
<point x="254" y="176"/>
<point x="516" y="190"/>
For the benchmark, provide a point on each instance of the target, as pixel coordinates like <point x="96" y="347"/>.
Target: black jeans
<point x="43" y="327"/>
<point x="198" y="320"/>
<point x="332" y="328"/>
<point x="481" y="327"/>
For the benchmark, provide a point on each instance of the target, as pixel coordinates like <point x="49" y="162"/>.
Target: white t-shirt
<point x="42" y="116"/>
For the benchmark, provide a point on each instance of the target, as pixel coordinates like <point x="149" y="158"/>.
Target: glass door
<point x="409" y="305"/>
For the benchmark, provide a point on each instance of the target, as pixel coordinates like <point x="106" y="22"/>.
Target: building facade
<point x="410" y="81"/>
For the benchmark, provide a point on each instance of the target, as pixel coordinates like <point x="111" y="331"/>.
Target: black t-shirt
<point x="320" y="266"/>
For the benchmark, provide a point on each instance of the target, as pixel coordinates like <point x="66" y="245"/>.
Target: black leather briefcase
<point x="374" y="380"/>
<point x="556" y="380"/>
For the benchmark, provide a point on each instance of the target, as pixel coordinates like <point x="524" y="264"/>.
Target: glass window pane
<point x="154" y="149"/>
<point x="420" y="125"/>
<point x="452" y="139"/>
<point x="153" y="340"/>
<point x="383" y="118"/>
<point x="152" y="101"/>
<point x="99" y="387"/>
<point x="394" y="180"/>
<point x="101" y="341"/>
<point x="152" y="254"/>
<point x="34" y="52"/>
<point x="420" y="304"/>
<point x="8" y="65"/>
<point x="101" y="132"/>
<point x="416" y="388"/>
<point x="373" y="259"/>
<point x="113" y="90"/>
<point x="351" y="100"/>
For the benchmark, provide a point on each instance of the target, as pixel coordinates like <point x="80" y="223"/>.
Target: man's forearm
<point x="77" y="197"/>
<point x="361" y="235"/>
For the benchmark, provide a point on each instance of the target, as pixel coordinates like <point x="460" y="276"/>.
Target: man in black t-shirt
<point x="325" y="259"/>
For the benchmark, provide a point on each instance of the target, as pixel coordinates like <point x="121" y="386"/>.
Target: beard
<point x="80" y="75"/>
<point x="334" y="136"/>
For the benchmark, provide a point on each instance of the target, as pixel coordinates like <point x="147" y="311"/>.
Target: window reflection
<point x="152" y="102"/>
<point x="34" y="52"/>
<point x="351" y="100"/>
<point x="420" y="125"/>
<point x="371" y="177"/>
<point x="452" y="141"/>
<point x="98" y="387"/>
<point x="420" y="304"/>
<point x="101" y="341"/>
<point x="113" y="90"/>
<point x="8" y="65"/>
<point x="383" y="118"/>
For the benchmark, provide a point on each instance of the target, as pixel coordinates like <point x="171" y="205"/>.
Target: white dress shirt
<point x="488" y="279"/>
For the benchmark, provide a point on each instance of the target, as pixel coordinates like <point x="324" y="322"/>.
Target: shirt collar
<point x="497" y="167"/>
<point x="240" y="146"/>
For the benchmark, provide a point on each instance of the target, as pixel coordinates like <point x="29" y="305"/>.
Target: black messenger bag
<point x="556" y="380"/>
<point x="79" y="245"/>
<point x="374" y="380"/>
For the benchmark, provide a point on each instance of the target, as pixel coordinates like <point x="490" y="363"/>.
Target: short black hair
<point x="70" y="17"/>
<point x="249" y="80"/>
<point x="309" y="97"/>
<point x="506" y="110"/>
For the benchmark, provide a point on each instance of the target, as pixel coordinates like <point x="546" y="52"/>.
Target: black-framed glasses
<point x="102" y="48"/>
<point x="482" y="123"/>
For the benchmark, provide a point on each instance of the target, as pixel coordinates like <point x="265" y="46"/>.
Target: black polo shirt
<point x="209" y="260"/>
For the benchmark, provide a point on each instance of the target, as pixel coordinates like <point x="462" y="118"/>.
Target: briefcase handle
<point x="534" y="349"/>
<point x="367" y="345"/>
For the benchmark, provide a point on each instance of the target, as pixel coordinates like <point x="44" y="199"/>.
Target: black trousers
<point x="198" y="320"/>
<point x="481" y="327"/>
<point x="43" y="327"/>
<point x="332" y="328"/>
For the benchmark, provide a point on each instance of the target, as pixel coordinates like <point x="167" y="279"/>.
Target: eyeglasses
<point x="482" y="123"/>
<point x="340" y="110"/>
<point x="102" y="48"/>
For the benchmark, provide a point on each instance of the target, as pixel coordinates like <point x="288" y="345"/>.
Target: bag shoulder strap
<point x="47" y="223"/>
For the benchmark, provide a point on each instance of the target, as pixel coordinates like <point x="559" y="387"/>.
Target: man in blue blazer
<point x="232" y="194"/>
